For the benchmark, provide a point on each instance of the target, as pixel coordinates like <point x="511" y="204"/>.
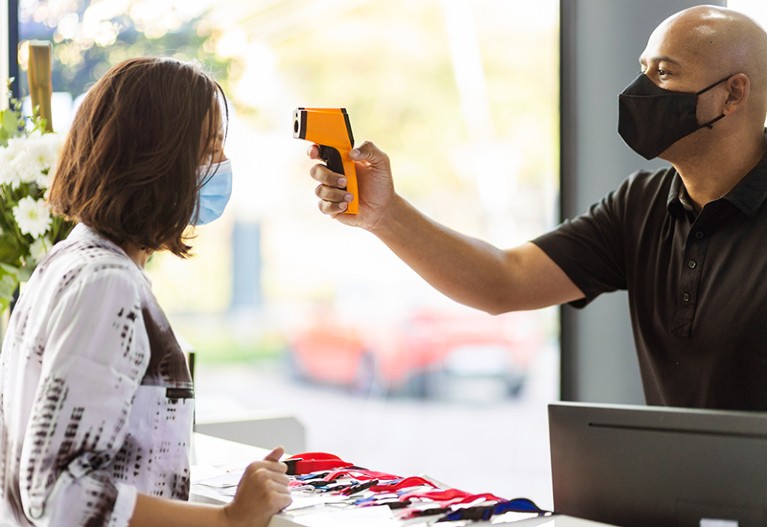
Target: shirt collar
<point x="751" y="191"/>
<point x="747" y="195"/>
<point x="82" y="232"/>
<point x="675" y="202"/>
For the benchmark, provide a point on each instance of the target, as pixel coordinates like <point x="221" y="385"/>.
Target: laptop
<point x="658" y="466"/>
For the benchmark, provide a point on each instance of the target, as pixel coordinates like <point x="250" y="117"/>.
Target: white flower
<point x="33" y="157"/>
<point x="32" y="216"/>
<point x="9" y="174"/>
<point x="29" y="159"/>
<point x="39" y="249"/>
<point x="5" y="171"/>
<point x="42" y="153"/>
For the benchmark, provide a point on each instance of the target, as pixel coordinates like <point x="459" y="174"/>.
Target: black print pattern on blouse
<point x="118" y="416"/>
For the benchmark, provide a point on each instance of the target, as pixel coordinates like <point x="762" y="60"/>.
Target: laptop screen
<point x="641" y="466"/>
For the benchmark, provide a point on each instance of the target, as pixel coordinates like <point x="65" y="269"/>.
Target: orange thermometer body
<point x="331" y="130"/>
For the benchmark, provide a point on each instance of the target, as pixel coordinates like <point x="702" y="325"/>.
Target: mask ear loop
<point x="704" y="90"/>
<point x="710" y="124"/>
<point x="204" y="174"/>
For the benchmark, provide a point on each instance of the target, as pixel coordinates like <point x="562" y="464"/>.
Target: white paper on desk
<point x="302" y="502"/>
<point x="350" y="517"/>
<point x="222" y="481"/>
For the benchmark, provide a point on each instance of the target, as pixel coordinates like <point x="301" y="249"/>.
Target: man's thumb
<point x="367" y="151"/>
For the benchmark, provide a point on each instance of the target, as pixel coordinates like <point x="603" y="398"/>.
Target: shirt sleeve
<point x="590" y="247"/>
<point x="93" y="363"/>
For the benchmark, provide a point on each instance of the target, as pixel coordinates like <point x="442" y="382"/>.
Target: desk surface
<point x="211" y="456"/>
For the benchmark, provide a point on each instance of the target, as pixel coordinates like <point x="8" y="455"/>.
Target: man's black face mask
<point x="651" y="118"/>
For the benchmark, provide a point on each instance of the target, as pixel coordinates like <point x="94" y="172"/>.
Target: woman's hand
<point x="262" y="492"/>
<point x="374" y="181"/>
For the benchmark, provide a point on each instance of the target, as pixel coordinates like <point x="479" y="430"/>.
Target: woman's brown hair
<point x="128" y="168"/>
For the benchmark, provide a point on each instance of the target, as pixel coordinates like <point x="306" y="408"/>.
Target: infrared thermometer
<point x="331" y="130"/>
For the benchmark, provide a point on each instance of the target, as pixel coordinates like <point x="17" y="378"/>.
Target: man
<point x="686" y="242"/>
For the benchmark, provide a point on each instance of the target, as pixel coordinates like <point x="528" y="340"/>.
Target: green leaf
<point x="9" y="124"/>
<point x="9" y="281"/>
<point x="9" y="252"/>
<point x="6" y="269"/>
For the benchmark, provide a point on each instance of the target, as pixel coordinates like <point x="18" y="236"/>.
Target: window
<point x="290" y="310"/>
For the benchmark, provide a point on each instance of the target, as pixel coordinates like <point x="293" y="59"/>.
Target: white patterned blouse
<point x="96" y="399"/>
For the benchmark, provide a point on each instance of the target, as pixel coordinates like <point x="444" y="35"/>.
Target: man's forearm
<point x="463" y="268"/>
<point x="471" y="271"/>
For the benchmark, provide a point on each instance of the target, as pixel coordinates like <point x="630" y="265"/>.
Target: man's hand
<point x="374" y="179"/>
<point x="262" y="492"/>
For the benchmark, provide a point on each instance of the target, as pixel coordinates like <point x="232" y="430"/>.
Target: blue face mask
<point x="215" y="192"/>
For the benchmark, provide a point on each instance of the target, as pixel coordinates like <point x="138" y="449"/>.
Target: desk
<point x="211" y="456"/>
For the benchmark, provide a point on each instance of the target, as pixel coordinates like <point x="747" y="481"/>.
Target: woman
<point x="96" y="398"/>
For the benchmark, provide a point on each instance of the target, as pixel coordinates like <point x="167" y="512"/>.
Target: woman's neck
<point x="139" y="256"/>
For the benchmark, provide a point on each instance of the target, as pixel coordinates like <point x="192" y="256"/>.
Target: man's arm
<point x="466" y="269"/>
<point x="471" y="271"/>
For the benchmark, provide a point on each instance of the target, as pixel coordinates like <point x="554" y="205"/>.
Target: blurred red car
<point x="417" y="355"/>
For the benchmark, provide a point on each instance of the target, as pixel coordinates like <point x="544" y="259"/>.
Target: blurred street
<point x="476" y="441"/>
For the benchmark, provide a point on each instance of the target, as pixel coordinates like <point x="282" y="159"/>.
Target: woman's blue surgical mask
<point x="215" y="191"/>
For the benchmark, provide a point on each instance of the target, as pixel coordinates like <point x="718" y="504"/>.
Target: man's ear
<point x="738" y="88"/>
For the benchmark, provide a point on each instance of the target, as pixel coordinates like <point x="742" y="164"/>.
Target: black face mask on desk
<point x="651" y="118"/>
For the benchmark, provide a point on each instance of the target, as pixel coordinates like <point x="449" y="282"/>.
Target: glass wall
<point x="289" y="310"/>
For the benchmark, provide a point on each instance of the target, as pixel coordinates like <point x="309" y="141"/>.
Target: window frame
<point x="9" y="66"/>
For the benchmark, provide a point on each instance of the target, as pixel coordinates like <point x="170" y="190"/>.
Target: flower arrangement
<point x="28" y="230"/>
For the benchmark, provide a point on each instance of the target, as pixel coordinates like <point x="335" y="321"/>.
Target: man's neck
<point x="708" y="178"/>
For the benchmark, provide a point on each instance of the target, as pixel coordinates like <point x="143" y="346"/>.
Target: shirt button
<point x="686" y="297"/>
<point x="698" y="235"/>
<point x="692" y="264"/>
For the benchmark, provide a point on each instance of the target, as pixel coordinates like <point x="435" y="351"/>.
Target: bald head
<point x="718" y="40"/>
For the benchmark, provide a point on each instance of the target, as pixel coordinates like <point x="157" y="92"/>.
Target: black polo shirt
<point x="697" y="284"/>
